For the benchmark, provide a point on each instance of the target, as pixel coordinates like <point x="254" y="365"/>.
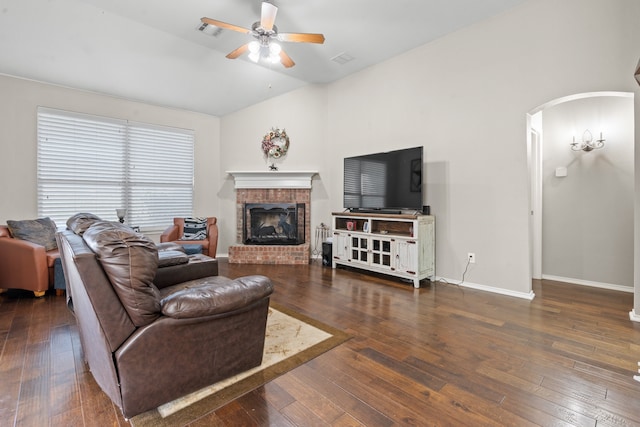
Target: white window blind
<point x="97" y="164"/>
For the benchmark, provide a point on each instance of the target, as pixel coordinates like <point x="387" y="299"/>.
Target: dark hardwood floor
<point x="439" y="355"/>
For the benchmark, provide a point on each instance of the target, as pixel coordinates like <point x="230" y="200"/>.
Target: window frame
<point x="145" y="168"/>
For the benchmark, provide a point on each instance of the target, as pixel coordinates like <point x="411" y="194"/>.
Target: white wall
<point x="18" y="104"/>
<point x="465" y="98"/>
<point x="588" y="215"/>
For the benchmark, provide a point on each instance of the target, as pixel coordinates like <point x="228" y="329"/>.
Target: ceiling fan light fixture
<point x="264" y="32"/>
<point x="274" y="49"/>
<point x="254" y="47"/>
<point x="254" y="56"/>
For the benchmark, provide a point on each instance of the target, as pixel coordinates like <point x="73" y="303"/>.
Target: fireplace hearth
<point x="274" y="224"/>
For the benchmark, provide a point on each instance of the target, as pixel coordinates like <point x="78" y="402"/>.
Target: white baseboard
<point x="634" y="316"/>
<point x="524" y="295"/>
<point x="581" y="282"/>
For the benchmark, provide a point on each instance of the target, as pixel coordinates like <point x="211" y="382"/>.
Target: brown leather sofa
<point x="174" y="233"/>
<point x="25" y="265"/>
<point x="146" y="344"/>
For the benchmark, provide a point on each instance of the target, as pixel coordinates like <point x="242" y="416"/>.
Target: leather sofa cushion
<point x="170" y="246"/>
<point x="130" y="261"/>
<point x="79" y="222"/>
<point x="214" y="295"/>
<point x="169" y="258"/>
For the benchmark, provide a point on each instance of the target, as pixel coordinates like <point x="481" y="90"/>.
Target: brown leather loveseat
<point x="145" y="344"/>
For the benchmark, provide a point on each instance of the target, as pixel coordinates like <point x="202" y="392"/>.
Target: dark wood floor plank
<point x="234" y="414"/>
<point x="34" y="408"/>
<point x="72" y="417"/>
<point x="311" y="399"/>
<point x="209" y="420"/>
<point x="261" y="411"/>
<point x="275" y="395"/>
<point x="300" y="415"/>
<point x="416" y="405"/>
<point x="573" y="410"/>
<point x="477" y="403"/>
<point x="347" y="420"/>
<point x="349" y="402"/>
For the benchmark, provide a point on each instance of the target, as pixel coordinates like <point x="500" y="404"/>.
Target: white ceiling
<point x="152" y="51"/>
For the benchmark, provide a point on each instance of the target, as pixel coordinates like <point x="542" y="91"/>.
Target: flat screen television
<point x="389" y="181"/>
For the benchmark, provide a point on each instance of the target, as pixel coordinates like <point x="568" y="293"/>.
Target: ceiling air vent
<point x="210" y="30"/>
<point x="342" y="58"/>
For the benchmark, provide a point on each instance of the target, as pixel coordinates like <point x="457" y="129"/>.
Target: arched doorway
<point x="589" y="232"/>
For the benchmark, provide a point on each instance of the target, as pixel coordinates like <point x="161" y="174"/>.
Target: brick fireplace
<point x="271" y="187"/>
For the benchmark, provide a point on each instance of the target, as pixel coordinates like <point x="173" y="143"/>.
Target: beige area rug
<point x="291" y="340"/>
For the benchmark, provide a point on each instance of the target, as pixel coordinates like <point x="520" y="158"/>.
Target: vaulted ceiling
<point x="152" y="50"/>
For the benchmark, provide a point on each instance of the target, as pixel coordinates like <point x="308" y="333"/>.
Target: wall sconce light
<point x="587" y="144"/>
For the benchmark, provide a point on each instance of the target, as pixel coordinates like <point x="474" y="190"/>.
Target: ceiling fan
<point x="265" y="35"/>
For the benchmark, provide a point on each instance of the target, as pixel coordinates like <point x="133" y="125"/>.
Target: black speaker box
<point x="327" y="253"/>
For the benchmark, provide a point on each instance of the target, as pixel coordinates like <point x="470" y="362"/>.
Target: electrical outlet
<point x="471" y="257"/>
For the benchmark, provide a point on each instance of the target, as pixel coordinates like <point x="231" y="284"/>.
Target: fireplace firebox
<point x="274" y="224"/>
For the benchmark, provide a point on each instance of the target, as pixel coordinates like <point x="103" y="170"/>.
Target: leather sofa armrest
<point x="198" y="267"/>
<point x="212" y="236"/>
<point x="170" y="234"/>
<point x="214" y="295"/>
<point x="23" y="265"/>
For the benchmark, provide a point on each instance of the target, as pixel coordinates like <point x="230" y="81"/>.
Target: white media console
<point x="400" y="245"/>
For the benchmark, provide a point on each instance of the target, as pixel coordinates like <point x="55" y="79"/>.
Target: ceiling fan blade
<point x="301" y="37"/>
<point x="239" y="51"/>
<point x="268" y="16"/>
<point x="286" y="60"/>
<point x="221" y="24"/>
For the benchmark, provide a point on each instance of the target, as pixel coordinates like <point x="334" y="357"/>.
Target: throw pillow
<point x="41" y="231"/>
<point x="194" y="229"/>
<point x="79" y="222"/>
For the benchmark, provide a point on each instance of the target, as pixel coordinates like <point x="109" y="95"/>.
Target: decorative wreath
<point x="275" y="144"/>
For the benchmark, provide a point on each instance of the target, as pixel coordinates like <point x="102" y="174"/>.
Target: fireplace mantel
<point x="272" y="179"/>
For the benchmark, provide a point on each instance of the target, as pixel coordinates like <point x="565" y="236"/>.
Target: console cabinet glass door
<point x="360" y="249"/>
<point x="380" y="252"/>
